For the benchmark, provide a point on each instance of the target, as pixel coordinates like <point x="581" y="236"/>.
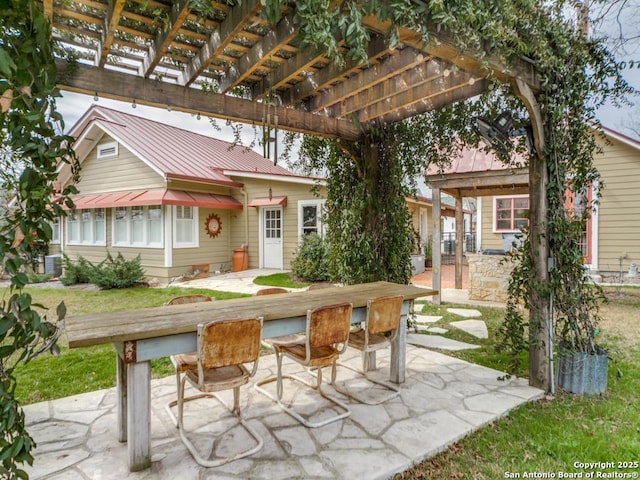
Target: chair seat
<point x="357" y="340"/>
<point x="221" y="378"/>
<point x="320" y="356"/>
<point x="185" y="361"/>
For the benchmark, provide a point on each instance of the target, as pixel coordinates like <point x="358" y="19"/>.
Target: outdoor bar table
<point x="141" y="335"/>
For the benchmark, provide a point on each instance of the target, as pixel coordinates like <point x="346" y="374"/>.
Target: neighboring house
<point x="180" y="200"/>
<point x="611" y="242"/>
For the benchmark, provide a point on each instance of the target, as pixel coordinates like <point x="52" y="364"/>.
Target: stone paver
<point x="465" y="312"/>
<point x="477" y="328"/>
<point x="442" y="400"/>
<point x="422" y="319"/>
<point x="441" y="343"/>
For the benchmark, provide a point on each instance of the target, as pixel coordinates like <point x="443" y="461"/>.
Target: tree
<point x="33" y="148"/>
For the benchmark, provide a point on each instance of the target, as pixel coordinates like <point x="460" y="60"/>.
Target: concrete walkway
<point x="442" y="400"/>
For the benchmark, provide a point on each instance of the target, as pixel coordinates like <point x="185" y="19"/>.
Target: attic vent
<point x="108" y="150"/>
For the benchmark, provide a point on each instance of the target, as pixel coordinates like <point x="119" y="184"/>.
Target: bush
<point x="311" y="262"/>
<point x="35" y="277"/>
<point x="117" y="272"/>
<point x="74" y="273"/>
<point x="110" y="273"/>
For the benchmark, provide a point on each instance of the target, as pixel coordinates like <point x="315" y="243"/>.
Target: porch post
<point x="459" y="240"/>
<point x="436" y="273"/>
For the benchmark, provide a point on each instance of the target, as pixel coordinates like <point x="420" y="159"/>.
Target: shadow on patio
<point x="443" y="400"/>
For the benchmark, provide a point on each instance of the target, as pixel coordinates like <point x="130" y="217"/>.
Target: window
<point x="511" y="213"/>
<point x="55" y="231"/>
<point x="86" y="227"/>
<point x="185" y="226"/>
<point x="310" y="217"/>
<point x="138" y="226"/>
<point x="108" y="150"/>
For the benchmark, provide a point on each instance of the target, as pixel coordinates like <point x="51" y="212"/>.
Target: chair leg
<point x="395" y="391"/>
<point x="235" y="410"/>
<point x="318" y="386"/>
<point x="173" y="403"/>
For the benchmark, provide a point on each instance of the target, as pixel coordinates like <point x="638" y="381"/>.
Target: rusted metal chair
<point x="327" y="334"/>
<point x="224" y="346"/>
<point x="184" y="361"/>
<point x="380" y="329"/>
<point x="271" y="291"/>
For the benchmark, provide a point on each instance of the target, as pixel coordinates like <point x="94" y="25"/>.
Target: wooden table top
<point x="95" y="329"/>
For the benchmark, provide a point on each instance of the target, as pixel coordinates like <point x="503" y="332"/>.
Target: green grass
<point x="283" y="280"/>
<point x="552" y="434"/>
<point x="82" y="370"/>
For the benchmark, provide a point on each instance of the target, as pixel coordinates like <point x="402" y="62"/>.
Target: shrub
<point x="311" y="262"/>
<point x="35" y="277"/>
<point x="117" y="272"/>
<point x="78" y="272"/>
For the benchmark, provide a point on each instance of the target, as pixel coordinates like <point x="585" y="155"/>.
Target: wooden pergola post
<point x="436" y="255"/>
<point x="539" y="325"/>
<point x="459" y="241"/>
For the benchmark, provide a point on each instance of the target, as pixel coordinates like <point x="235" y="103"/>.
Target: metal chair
<point x="327" y="334"/>
<point x="271" y="291"/>
<point x="184" y="361"/>
<point x="224" y="346"/>
<point x="381" y="328"/>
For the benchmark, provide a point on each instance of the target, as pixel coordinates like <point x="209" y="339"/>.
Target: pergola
<point x="228" y="62"/>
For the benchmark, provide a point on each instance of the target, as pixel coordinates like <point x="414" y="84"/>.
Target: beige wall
<point x="618" y="216"/>
<point x="490" y="240"/>
<point x="112" y="174"/>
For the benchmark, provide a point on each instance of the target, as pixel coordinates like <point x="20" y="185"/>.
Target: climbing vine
<point x="33" y="147"/>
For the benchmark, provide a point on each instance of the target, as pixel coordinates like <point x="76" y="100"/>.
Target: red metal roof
<point x="177" y="153"/>
<point x="156" y="197"/>
<point x="266" y="201"/>
<point x="474" y="160"/>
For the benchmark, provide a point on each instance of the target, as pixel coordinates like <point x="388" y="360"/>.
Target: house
<point x="182" y="201"/>
<point x="610" y="245"/>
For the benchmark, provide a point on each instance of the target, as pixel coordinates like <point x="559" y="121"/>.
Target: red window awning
<point x="268" y="202"/>
<point x="156" y="197"/>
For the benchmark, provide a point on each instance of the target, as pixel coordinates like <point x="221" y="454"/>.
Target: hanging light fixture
<point x="95" y="97"/>
<point x="134" y="104"/>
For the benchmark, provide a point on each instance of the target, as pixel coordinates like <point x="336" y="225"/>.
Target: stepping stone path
<point x="477" y="328"/>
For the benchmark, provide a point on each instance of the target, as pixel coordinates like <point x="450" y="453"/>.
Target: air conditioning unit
<point x="53" y="265"/>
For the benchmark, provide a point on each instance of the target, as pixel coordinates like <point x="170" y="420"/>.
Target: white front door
<point x="272" y="237"/>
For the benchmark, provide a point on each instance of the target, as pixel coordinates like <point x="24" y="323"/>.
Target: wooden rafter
<point x="109" y="29"/>
<point x="164" y="37"/>
<point x="263" y="51"/>
<point x="221" y="38"/>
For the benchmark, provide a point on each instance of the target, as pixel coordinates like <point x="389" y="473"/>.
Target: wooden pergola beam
<point x="164" y="37"/>
<point x="261" y="52"/>
<point x="221" y="38"/>
<point x="121" y="86"/>
<point x="110" y="25"/>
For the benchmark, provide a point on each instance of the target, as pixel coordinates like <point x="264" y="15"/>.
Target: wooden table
<point x="141" y="335"/>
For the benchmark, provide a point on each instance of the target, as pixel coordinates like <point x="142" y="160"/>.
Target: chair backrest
<point x="181" y="299"/>
<point x="383" y="314"/>
<point x="329" y="325"/>
<point x="271" y="291"/>
<point x="222" y="343"/>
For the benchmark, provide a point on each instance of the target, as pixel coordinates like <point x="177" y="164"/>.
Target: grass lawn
<point x="80" y="370"/>
<point x="545" y="436"/>
<point x="283" y="280"/>
<point x="551" y="435"/>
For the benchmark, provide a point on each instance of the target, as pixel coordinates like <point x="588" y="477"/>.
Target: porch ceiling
<point x="160" y="53"/>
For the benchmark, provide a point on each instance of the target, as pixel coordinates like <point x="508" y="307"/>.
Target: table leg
<point x="121" y="390"/>
<point x="399" y="347"/>
<point x="139" y="415"/>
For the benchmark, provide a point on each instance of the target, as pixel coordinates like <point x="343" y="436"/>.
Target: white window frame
<point x="494" y="225"/>
<point x="319" y="204"/>
<point x="105" y="147"/>
<point x="55" y="231"/>
<point x="144" y="225"/>
<point x="95" y="226"/>
<point x="195" y="243"/>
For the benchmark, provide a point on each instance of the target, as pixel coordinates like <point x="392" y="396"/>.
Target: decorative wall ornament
<point x="213" y="225"/>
